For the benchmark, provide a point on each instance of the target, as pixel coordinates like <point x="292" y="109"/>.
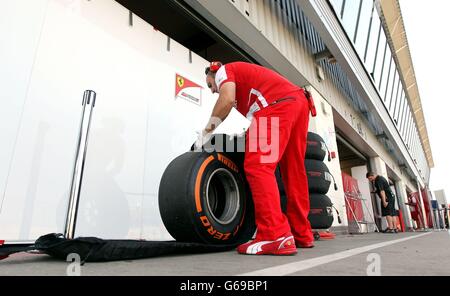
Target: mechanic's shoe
<point x="285" y="245"/>
<point x="309" y="245"/>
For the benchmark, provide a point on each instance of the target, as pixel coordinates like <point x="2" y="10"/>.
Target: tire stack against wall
<point x="319" y="182"/>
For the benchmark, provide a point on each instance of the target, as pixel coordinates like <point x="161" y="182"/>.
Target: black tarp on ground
<point x="91" y="249"/>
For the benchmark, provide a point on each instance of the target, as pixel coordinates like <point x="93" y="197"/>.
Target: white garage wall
<point x="18" y="45"/>
<point x="323" y="125"/>
<point x="138" y="126"/>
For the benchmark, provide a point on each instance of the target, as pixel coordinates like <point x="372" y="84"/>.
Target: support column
<point x="430" y="206"/>
<point x="447" y="210"/>
<point x="378" y="166"/>
<point x="323" y="124"/>
<point x="403" y="198"/>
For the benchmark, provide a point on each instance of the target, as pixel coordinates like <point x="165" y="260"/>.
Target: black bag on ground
<point x="91" y="249"/>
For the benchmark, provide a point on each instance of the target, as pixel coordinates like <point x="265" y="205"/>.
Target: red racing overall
<point x="279" y="114"/>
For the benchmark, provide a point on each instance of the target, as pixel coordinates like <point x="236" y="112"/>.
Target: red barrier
<point x="401" y="222"/>
<point x="352" y="199"/>
<point x="414" y="206"/>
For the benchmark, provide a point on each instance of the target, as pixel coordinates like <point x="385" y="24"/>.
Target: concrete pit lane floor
<point x="409" y="254"/>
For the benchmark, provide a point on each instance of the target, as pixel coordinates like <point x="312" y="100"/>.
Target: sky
<point x="427" y="24"/>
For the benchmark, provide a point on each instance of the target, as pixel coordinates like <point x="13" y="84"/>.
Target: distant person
<point x="396" y="220"/>
<point x="383" y="190"/>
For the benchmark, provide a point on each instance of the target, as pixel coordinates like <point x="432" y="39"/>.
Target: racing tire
<point x="319" y="177"/>
<point x="281" y="189"/>
<point x="205" y="198"/>
<point x="315" y="148"/>
<point x="319" y="180"/>
<point x="321" y="211"/>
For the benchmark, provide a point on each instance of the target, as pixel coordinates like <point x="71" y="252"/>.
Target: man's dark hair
<point x="370" y="174"/>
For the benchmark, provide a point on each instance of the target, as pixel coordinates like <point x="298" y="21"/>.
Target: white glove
<point x="202" y="138"/>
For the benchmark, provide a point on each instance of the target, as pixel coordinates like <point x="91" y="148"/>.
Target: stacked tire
<point x="319" y="182"/>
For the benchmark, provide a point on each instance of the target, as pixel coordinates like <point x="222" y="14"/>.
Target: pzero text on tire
<point x="319" y="178"/>
<point x="204" y="197"/>
<point x="321" y="211"/>
<point x="315" y="148"/>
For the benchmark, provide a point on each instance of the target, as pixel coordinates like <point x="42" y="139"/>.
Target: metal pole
<point x="370" y="215"/>
<point x="347" y="198"/>
<point x="78" y="168"/>
<point x="422" y="207"/>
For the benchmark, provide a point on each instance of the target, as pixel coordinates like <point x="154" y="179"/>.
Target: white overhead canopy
<point x="399" y="42"/>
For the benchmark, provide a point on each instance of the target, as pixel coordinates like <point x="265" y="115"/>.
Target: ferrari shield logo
<point x="180" y="81"/>
<point x="188" y="90"/>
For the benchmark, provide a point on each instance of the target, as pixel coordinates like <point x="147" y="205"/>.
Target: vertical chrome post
<point x="78" y="168"/>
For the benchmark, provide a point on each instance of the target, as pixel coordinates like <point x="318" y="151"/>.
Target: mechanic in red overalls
<point x="279" y="112"/>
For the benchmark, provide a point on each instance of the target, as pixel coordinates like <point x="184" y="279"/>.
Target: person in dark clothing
<point x="383" y="190"/>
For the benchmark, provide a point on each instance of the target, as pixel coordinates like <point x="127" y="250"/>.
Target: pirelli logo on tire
<point x="226" y="161"/>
